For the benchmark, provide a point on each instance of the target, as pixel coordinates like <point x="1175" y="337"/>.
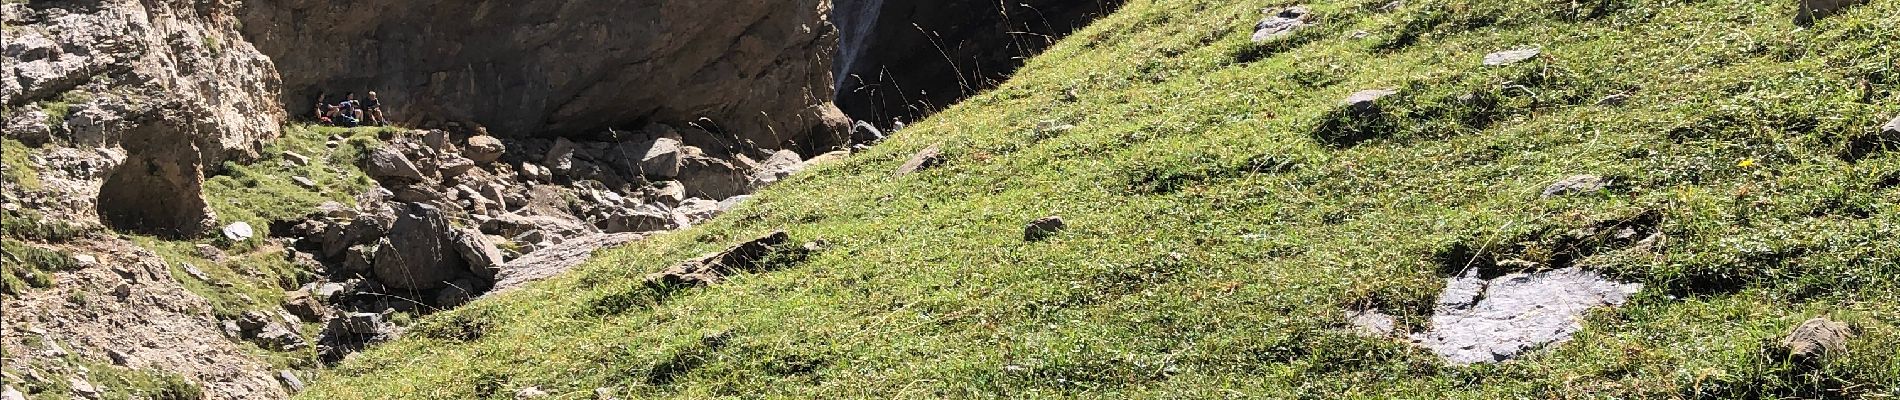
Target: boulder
<point x="635" y="220"/>
<point x="419" y="254"/>
<point x="276" y="336"/>
<point x="455" y="294"/>
<point x="1281" y="23"/>
<point x="388" y="164"/>
<point x="713" y="268"/>
<point x="484" y="149"/>
<point x="513" y="224"/>
<point x="697" y="210"/>
<point x="560" y="157"/>
<point x="417" y="194"/>
<point x="929" y="157"/>
<point x="291" y="381"/>
<point x="159" y="188"/>
<point x="29" y="124"/>
<point x="361" y="258"/>
<point x="1042" y="228"/>
<point x="304" y="305"/>
<point x="1892" y="128"/>
<point x="304" y="182"/>
<point x="358" y="323"/>
<point x="330" y="291"/>
<point x="782" y="164"/>
<point x="455" y="166"/>
<point x="658" y="158"/>
<point x="713" y="178"/>
<point x="533" y="172"/>
<point x="436" y="139"/>
<point x="670" y="193"/>
<point x="484" y="259"/>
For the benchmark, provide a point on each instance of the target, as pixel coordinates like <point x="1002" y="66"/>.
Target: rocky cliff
<point x="746" y="70"/>
<point x="170" y="82"/>
<point x="902" y="60"/>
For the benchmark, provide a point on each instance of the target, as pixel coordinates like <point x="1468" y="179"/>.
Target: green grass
<point x="24" y="266"/>
<point x="262" y="192"/>
<point x="57" y="110"/>
<point x="19" y="171"/>
<point x="1222" y="212"/>
<point x="113" y="382"/>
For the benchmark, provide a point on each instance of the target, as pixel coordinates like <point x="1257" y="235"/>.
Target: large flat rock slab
<point x="1478" y="320"/>
<point x="551" y="261"/>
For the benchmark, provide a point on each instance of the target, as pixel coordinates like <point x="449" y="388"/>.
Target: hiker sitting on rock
<point x="351" y="106"/>
<point x="322" y="109"/>
<point x="373" y="108"/>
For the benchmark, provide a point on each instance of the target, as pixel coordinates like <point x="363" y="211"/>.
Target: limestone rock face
<point x="752" y="67"/>
<point x="154" y="57"/>
<point x="167" y="88"/>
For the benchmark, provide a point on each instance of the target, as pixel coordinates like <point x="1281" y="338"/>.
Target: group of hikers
<point x="350" y="112"/>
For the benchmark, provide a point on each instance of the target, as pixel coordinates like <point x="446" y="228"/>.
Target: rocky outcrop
<point x="170" y="82"/>
<point x="158" y="189"/>
<point x="136" y="314"/>
<point x="419" y="253"/>
<point x="747" y="70"/>
<point x="899" y="60"/>
<point x="554" y="260"/>
<point x="712" y="269"/>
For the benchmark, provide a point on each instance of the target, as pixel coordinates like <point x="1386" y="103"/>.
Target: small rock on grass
<point x="1365" y="103"/>
<point x="530" y="392"/>
<point x="1281" y="23"/>
<point x="1613" y="100"/>
<point x="1892" y="128"/>
<point x="1812" y="10"/>
<point x="296" y="159"/>
<point x="238" y="231"/>
<point x="1372" y="322"/>
<point x="1509" y="57"/>
<point x="1817" y="339"/>
<point x="1575" y="184"/>
<point x="290" y="381"/>
<point x="1043" y="228"/>
<point x="304" y="182"/>
<point x="925" y="159"/>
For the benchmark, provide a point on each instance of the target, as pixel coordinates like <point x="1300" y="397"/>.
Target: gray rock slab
<point x="1479" y="321"/>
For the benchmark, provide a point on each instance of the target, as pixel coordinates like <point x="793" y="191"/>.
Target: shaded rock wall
<point x="902" y="60"/>
<point x="755" y="70"/>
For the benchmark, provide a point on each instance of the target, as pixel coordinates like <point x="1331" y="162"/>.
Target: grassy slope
<point x="1214" y="238"/>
